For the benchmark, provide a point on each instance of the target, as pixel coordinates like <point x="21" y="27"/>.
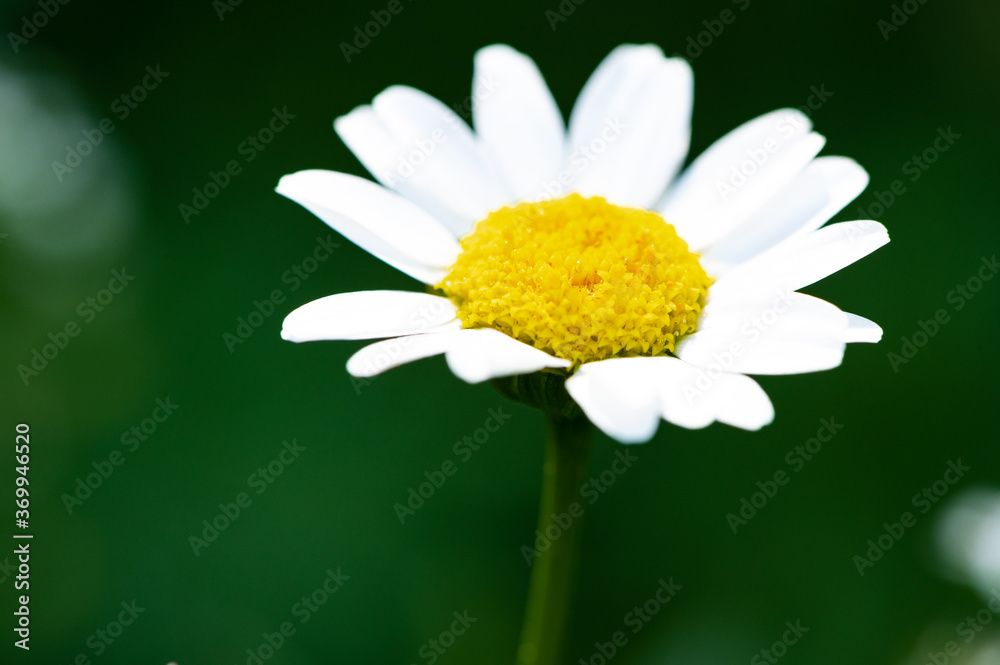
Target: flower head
<point x="579" y="249"/>
<point x="578" y="278"/>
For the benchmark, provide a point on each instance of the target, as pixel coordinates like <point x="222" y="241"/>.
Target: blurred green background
<point x="365" y="445"/>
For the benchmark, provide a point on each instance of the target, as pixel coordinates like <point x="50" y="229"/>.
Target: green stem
<point x="566" y="450"/>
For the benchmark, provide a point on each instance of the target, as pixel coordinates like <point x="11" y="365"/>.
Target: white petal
<point x="377" y="220"/>
<point x="741" y="402"/>
<point x="717" y="160"/>
<point x="473" y="355"/>
<point x="422" y="149"/>
<point x="686" y="395"/>
<point x="517" y="120"/>
<point x="750" y="313"/>
<point x="738" y="174"/>
<point x="631" y="126"/>
<point x="626" y="397"/>
<point x="385" y="157"/>
<point x="694" y="398"/>
<point x="771" y="355"/>
<point x="803" y="259"/>
<point x="485" y="354"/>
<point x="387" y="354"/>
<point x="789" y="335"/>
<point x="860" y="329"/>
<point x="370" y="315"/>
<point x="620" y="396"/>
<point x="818" y="193"/>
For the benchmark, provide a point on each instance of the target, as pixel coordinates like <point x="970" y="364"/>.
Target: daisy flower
<point x="582" y="253"/>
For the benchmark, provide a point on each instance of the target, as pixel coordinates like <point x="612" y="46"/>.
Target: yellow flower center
<point x="579" y="278"/>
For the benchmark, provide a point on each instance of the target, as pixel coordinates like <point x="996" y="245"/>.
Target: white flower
<point x="751" y="205"/>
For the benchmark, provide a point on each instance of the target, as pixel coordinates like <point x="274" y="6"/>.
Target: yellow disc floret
<point x="579" y="278"/>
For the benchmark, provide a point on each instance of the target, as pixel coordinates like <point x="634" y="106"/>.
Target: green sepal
<point x="545" y="390"/>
